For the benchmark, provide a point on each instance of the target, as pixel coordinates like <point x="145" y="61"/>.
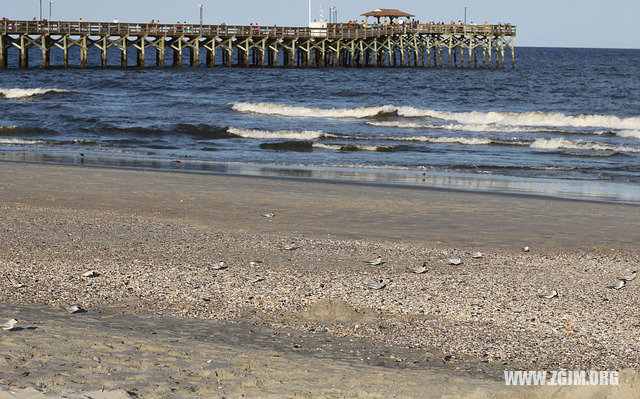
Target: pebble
<point x="159" y="267"/>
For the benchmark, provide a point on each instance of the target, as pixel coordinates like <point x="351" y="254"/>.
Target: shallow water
<point x="564" y="121"/>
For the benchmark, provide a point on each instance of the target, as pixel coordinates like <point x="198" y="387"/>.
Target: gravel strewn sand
<point x="106" y="356"/>
<point x="154" y="256"/>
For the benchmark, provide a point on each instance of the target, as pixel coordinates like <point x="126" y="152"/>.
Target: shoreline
<point x="153" y="238"/>
<point x="570" y="190"/>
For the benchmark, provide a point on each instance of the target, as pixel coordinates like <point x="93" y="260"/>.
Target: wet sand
<point x="153" y="237"/>
<point x="435" y="217"/>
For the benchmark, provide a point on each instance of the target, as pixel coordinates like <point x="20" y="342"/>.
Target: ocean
<point x="564" y="123"/>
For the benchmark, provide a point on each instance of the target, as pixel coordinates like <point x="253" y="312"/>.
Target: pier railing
<point x="333" y="31"/>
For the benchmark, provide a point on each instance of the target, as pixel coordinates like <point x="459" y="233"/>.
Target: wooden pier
<point x="338" y="45"/>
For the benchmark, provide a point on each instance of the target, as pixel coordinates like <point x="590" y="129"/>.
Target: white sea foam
<point x="343" y="147"/>
<point x="26" y="93"/>
<point x="635" y="134"/>
<point x="18" y="141"/>
<point x="307" y="112"/>
<point x="539" y="119"/>
<point x="554" y="144"/>
<point x="451" y="140"/>
<point x="517" y="119"/>
<point x="458" y="127"/>
<point x="279" y="134"/>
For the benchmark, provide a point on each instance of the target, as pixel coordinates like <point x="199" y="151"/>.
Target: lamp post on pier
<point x="40" y="10"/>
<point x="201" y="6"/>
<point x="465" y="14"/>
<point x="50" y="7"/>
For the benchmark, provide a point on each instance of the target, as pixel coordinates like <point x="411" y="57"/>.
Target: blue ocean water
<point x="565" y="122"/>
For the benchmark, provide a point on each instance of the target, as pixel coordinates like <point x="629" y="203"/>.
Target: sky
<point x="543" y="23"/>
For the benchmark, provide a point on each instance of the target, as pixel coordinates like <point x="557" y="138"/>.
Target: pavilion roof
<point x="387" y="12"/>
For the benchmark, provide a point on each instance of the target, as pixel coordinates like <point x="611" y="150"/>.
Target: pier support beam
<point x="4" y="45"/>
<point x="62" y="43"/>
<point x="160" y="42"/>
<point x="45" y="47"/>
<point x="194" y="52"/>
<point x="140" y="45"/>
<point x="210" y="46"/>
<point x="122" y="45"/>
<point x="103" y="44"/>
<point x="176" y="46"/>
<point x="24" y="52"/>
<point x="513" y="55"/>
<point x="84" y="57"/>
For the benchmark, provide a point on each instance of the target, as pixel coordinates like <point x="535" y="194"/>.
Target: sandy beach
<point x="310" y="325"/>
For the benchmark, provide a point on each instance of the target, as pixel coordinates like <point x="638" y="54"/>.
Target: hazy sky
<point x="551" y="23"/>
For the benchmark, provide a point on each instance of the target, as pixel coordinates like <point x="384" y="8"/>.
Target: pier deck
<point x="338" y="45"/>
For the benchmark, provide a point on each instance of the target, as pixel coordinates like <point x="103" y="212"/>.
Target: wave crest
<point x="19" y="141"/>
<point x="479" y="120"/>
<point x="28" y="93"/>
<point x="539" y="119"/>
<point x="555" y="144"/>
<point x="357" y="147"/>
<point x="279" y="134"/>
<point x="311" y="112"/>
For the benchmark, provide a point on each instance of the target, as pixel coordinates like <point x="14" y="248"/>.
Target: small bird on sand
<point x="629" y="277"/>
<point x="455" y="261"/>
<point x="379" y="284"/>
<point x="91" y="274"/>
<point x="255" y="263"/>
<point x="549" y="295"/>
<point x="291" y="247"/>
<point x="620" y="284"/>
<point x="526" y="249"/>
<point x="420" y="269"/>
<point x="257" y="278"/>
<point x="219" y="266"/>
<point x="14" y="283"/>
<point x="476" y="255"/>
<point x="269" y="215"/>
<point x="10" y="325"/>
<point x="377" y="262"/>
<point x="73" y="309"/>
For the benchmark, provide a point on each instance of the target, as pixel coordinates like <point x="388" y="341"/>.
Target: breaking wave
<point x="307" y="112"/>
<point x="528" y="119"/>
<point x="358" y="147"/>
<point x="19" y="141"/>
<point x="28" y="93"/>
<point x="279" y="134"/>
<point x="465" y="140"/>
<point x="455" y="127"/>
<point x="317" y="135"/>
<point x="307" y="146"/>
<point x="555" y="144"/>
<point x="490" y="128"/>
<point x="477" y="119"/>
<point x="635" y="134"/>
